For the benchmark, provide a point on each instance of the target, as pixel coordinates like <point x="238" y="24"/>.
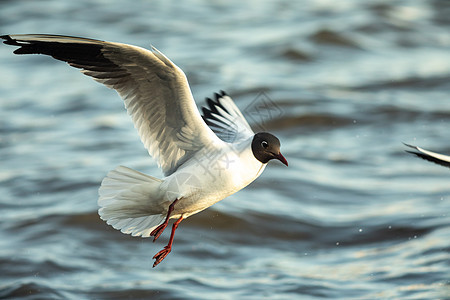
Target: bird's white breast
<point x="211" y="175"/>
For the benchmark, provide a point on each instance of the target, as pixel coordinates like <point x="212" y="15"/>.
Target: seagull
<point x="204" y="158"/>
<point x="437" y="158"/>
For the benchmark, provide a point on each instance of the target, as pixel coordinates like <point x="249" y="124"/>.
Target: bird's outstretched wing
<point x="155" y="91"/>
<point x="437" y="158"/>
<point x="225" y="119"/>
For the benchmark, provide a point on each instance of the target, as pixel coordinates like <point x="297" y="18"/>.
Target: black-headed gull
<point x="203" y="161"/>
<point x="437" y="158"/>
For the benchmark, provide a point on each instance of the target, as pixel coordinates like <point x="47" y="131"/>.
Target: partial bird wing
<point x="437" y="158"/>
<point x="225" y="119"/>
<point x="155" y="91"/>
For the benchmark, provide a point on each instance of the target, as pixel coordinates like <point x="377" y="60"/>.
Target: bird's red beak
<point x="281" y="158"/>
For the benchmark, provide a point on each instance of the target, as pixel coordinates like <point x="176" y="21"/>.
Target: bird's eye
<point x="264" y="144"/>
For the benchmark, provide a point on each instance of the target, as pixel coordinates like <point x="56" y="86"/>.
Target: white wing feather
<point x="155" y="91"/>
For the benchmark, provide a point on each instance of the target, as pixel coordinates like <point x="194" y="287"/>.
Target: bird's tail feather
<point x="131" y="201"/>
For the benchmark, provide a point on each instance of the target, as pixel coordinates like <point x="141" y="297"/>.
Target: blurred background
<point x="352" y="217"/>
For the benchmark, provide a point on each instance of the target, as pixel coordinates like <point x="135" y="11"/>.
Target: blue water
<point x="352" y="217"/>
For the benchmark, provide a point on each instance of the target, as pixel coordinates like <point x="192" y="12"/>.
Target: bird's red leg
<point x="159" y="230"/>
<point x="164" y="252"/>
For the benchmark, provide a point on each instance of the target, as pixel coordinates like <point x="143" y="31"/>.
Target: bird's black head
<point x="266" y="146"/>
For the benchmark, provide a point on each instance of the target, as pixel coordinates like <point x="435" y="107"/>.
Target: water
<point x="352" y="217"/>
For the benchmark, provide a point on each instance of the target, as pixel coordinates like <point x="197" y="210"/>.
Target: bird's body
<point x="203" y="160"/>
<point x="219" y="178"/>
<point x="200" y="182"/>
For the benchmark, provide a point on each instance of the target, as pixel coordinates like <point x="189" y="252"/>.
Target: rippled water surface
<point x="352" y="217"/>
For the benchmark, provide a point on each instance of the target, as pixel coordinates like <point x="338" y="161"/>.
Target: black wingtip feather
<point x="208" y="115"/>
<point x="428" y="157"/>
<point x="80" y="55"/>
<point x="213" y="104"/>
<point x="211" y="110"/>
<point x="8" y="40"/>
